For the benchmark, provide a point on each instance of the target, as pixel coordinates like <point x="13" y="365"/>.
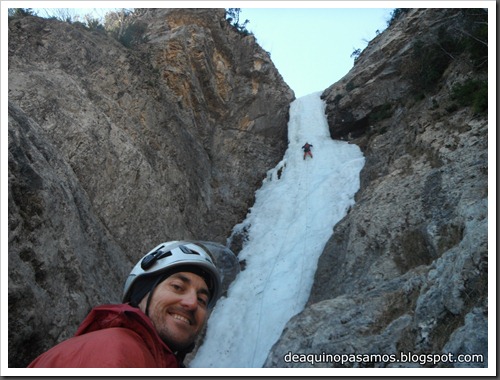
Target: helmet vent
<point x="188" y="251"/>
<point x="152" y="258"/>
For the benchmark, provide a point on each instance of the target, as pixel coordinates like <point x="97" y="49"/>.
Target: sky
<point x="312" y="47"/>
<point x="310" y="42"/>
<point x="291" y="221"/>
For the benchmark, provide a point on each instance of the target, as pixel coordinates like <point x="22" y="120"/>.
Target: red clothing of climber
<point x="307" y="150"/>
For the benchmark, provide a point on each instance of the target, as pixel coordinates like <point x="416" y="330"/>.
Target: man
<point x="167" y="297"/>
<point x="307" y="150"/>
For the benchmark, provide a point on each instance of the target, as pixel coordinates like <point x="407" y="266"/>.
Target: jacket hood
<point x="125" y="316"/>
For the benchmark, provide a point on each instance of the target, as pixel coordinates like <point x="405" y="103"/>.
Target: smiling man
<point x="167" y="297"/>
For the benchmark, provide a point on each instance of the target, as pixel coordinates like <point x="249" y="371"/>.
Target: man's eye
<point x="176" y="286"/>
<point x="203" y="301"/>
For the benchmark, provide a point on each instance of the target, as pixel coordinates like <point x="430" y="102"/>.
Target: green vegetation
<point x="94" y="23"/>
<point x="355" y="54"/>
<point x="473" y="93"/>
<point x="379" y="113"/>
<point x="426" y="66"/>
<point x="233" y="18"/>
<point x="126" y="26"/>
<point x="463" y="39"/>
<point x="396" y="14"/>
<point x="350" y="86"/>
<point x="21" y="12"/>
<point x="474" y="33"/>
<point x="337" y="99"/>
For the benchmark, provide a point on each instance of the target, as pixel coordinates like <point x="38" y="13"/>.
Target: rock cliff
<point x="406" y="269"/>
<point x="113" y="149"/>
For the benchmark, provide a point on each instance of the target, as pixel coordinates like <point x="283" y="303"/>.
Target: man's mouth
<point x="181" y="318"/>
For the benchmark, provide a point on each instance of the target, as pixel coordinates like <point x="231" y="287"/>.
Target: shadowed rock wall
<point x="113" y="150"/>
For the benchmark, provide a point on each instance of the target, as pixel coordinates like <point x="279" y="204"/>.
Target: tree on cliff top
<point x="233" y="17"/>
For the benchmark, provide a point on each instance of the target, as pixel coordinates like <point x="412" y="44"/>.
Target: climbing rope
<point x="299" y="192"/>
<point x="306" y="231"/>
<point x="266" y="282"/>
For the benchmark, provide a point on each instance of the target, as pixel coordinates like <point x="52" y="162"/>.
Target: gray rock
<point x="114" y="149"/>
<point x="406" y="270"/>
<point x="471" y="340"/>
<point x="62" y="258"/>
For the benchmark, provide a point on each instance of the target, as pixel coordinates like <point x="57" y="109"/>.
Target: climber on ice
<point x="307" y="150"/>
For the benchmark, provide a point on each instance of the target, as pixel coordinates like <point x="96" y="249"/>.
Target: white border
<point x="491" y="371"/>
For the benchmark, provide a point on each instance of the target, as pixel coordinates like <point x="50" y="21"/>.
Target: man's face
<point x="178" y="309"/>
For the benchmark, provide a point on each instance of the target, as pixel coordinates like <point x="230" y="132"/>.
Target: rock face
<point x="406" y="269"/>
<point x="114" y="149"/>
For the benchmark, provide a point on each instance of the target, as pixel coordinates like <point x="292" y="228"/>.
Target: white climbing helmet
<point x="167" y="257"/>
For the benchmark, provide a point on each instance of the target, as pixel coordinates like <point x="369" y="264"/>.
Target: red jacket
<point x="111" y="336"/>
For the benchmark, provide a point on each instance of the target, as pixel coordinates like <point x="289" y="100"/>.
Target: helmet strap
<point x="150" y="296"/>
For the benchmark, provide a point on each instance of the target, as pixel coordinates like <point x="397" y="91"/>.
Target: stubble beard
<point x="169" y="337"/>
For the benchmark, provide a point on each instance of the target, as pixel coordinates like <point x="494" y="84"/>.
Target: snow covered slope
<point x="293" y="217"/>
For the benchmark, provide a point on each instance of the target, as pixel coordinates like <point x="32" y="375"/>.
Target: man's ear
<point x="143" y="304"/>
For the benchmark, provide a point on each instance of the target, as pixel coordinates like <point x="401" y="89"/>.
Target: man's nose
<point x="190" y="300"/>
